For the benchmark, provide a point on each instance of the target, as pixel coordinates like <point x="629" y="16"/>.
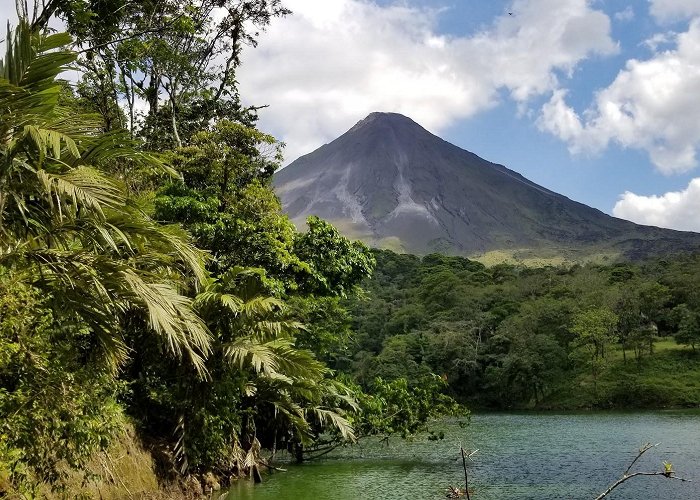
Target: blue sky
<point x="596" y="100"/>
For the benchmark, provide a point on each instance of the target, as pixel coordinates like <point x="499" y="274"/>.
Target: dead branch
<point x="272" y="467"/>
<point x="642" y="451"/>
<point x="668" y="472"/>
<point x="453" y="491"/>
<point x="464" y="465"/>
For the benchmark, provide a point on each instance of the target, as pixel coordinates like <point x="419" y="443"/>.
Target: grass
<point x="522" y="258"/>
<point x="124" y="470"/>
<point x="668" y="378"/>
<point x="541" y="257"/>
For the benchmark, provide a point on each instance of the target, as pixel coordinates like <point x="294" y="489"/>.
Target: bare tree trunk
<point x="466" y="478"/>
<point x="173" y="119"/>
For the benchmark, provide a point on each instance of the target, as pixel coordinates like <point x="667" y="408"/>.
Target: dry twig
<point x="668" y="471"/>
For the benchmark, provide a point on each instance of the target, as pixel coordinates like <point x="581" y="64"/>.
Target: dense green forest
<point x="148" y="279"/>
<point x="622" y="335"/>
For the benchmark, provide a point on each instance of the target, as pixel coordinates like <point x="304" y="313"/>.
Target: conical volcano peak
<point x="382" y="119"/>
<point x="386" y="116"/>
<point x="393" y="184"/>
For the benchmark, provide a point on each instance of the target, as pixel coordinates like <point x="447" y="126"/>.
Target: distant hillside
<point x="393" y="184"/>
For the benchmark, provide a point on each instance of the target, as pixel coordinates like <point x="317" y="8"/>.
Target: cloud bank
<point x="675" y="210"/>
<point x="334" y="61"/>
<point x="674" y="10"/>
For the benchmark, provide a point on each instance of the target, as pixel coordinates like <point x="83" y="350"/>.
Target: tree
<point x="57" y="403"/>
<point x="688" y="332"/>
<point x="336" y="264"/>
<point x="225" y="200"/>
<point x="178" y="57"/>
<point x="79" y="263"/>
<point x="595" y="330"/>
<point x="653" y="298"/>
<point x="452" y="351"/>
<point x="391" y="408"/>
<point x="263" y="390"/>
<point x="70" y="227"/>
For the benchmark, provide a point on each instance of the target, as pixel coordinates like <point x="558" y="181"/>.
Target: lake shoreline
<point x="522" y="455"/>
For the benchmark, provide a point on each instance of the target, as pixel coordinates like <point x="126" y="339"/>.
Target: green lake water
<point x="521" y="456"/>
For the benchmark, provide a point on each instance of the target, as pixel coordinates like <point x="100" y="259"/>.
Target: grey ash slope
<point x="393" y="184"/>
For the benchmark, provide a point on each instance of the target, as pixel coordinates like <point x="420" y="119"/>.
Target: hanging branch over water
<point x="668" y="471"/>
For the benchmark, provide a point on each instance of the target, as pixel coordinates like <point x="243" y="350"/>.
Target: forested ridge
<point x="148" y="278"/>
<point x="584" y="336"/>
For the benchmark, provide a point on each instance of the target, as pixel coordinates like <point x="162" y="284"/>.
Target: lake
<point x="521" y="456"/>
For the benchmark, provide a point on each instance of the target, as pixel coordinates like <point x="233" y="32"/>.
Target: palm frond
<point x="49" y="142"/>
<point x="252" y="456"/>
<point x="217" y="300"/>
<point x="83" y="187"/>
<point x="170" y="315"/>
<point x="334" y="419"/>
<point x="247" y="353"/>
<point x="298" y="363"/>
<point x="24" y="63"/>
<point x="294" y="414"/>
<point x="260" y="306"/>
<point x="61" y="217"/>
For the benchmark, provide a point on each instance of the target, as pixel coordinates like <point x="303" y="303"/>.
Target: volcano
<point x="393" y="184"/>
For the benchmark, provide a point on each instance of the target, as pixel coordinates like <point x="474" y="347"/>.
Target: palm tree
<point x="288" y="396"/>
<point x="69" y="228"/>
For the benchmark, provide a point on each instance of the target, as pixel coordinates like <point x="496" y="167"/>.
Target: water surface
<point x="521" y="456"/>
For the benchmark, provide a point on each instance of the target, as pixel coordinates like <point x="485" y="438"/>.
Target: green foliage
<point x="688" y="326"/>
<point x="225" y="200"/>
<point x="509" y="336"/>
<point x="337" y="264"/>
<point x="103" y="310"/>
<point x="595" y="331"/>
<point x="399" y="408"/>
<point x="69" y="227"/>
<point x="78" y="262"/>
<point x="327" y="328"/>
<point x="58" y="406"/>
<point x="177" y="57"/>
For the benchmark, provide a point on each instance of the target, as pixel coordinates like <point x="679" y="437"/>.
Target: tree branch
<point x="642" y="451"/>
<point x="146" y="31"/>
<point x="667" y="475"/>
<point x="42" y="19"/>
<point x="668" y="472"/>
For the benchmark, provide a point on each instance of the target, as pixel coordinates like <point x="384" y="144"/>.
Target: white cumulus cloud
<point x="674" y="10"/>
<point x="334" y="61"/>
<point x="651" y="105"/>
<point x="675" y="210"/>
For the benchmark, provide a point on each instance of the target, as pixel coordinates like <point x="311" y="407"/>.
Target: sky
<point x="597" y="100"/>
<point x="594" y="99"/>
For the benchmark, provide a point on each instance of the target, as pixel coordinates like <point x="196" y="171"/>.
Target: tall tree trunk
<point x="173" y="119"/>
